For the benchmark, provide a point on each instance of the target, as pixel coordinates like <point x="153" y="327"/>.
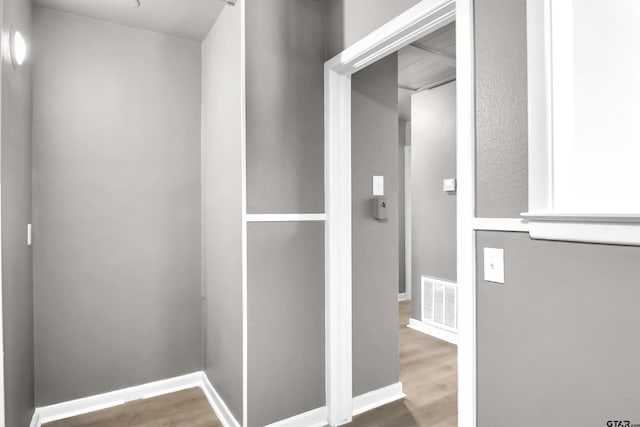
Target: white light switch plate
<point x="378" y="185"/>
<point x="494" y="265"/>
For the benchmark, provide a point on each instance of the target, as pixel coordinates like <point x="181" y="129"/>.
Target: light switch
<point x="378" y="185"/>
<point x="449" y="184"/>
<point x="494" y="265"/>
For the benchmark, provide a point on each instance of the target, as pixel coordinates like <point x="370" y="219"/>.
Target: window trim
<point x="544" y="222"/>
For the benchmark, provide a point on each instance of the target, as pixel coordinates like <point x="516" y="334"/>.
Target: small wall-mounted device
<point x="449" y="185"/>
<point x="380" y="209"/>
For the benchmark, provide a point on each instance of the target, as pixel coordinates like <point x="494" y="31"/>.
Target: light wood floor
<point x="428" y="372"/>
<point x="188" y="408"/>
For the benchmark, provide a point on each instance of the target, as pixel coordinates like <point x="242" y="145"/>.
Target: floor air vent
<point x="439" y="303"/>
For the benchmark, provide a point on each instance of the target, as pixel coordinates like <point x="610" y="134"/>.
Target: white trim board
<point x="3" y="46"/>
<point x="114" y="398"/>
<point x="540" y="105"/>
<point x="466" y="236"/>
<point x="89" y="404"/>
<point x="442" y="334"/>
<point x="361" y="404"/>
<point x="587" y="228"/>
<point x="2" y="410"/>
<point x="501" y="224"/>
<point x="338" y="321"/>
<point x="285" y="217"/>
<point x="422" y="19"/>
<point x="314" y="418"/>
<point x="217" y="403"/>
<point x="35" y="421"/>
<point x="607" y="229"/>
<point x="407" y="221"/>
<point x="376" y="398"/>
<point x="403" y="297"/>
<point x="587" y="232"/>
<point x="243" y="172"/>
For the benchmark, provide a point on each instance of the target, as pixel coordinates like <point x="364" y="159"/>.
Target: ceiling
<point x="424" y="64"/>
<point x="190" y="19"/>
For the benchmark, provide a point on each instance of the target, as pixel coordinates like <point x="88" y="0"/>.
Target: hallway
<point x="428" y="372"/>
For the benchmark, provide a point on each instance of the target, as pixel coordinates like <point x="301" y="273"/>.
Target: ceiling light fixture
<point x="18" y="48"/>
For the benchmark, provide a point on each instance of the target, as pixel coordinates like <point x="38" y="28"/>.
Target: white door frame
<point x="3" y="47"/>
<point x="415" y="23"/>
<point x="408" y="280"/>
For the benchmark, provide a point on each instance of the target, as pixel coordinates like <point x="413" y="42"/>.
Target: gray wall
<point x="285" y="47"/>
<point x="433" y="211"/>
<point x="556" y="342"/>
<point x="117" y="206"/>
<point x="501" y="108"/>
<point x="374" y="151"/>
<point x="285" y="106"/>
<point x="285" y="320"/>
<point x="222" y="207"/>
<point x="17" y="279"/>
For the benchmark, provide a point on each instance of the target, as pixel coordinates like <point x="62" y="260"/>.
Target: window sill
<point x="588" y="228"/>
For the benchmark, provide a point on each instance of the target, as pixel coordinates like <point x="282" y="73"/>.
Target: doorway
<point x="423" y="19"/>
<point x="404" y="100"/>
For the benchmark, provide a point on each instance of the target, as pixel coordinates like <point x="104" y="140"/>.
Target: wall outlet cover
<point x="494" y="265"/>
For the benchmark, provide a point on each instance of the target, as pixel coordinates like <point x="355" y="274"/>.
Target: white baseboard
<point x="373" y="399"/>
<point x="35" y="421"/>
<point x="448" y="336"/>
<point x="107" y="400"/>
<point x="361" y="404"/>
<point x="403" y="297"/>
<point x="314" y="418"/>
<point x="217" y="403"/>
<point x="86" y="405"/>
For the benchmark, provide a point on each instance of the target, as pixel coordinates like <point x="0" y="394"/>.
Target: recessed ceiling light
<point x="18" y="48"/>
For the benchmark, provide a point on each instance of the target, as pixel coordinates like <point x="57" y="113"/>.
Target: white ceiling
<point x="425" y="63"/>
<point x="190" y="19"/>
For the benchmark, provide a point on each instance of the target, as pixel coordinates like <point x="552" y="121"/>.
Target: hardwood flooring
<point x="428" y="372"/>
<point x="187" y="408"/>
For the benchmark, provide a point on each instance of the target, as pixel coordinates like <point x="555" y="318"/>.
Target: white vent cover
<point x="439" y="303"/>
